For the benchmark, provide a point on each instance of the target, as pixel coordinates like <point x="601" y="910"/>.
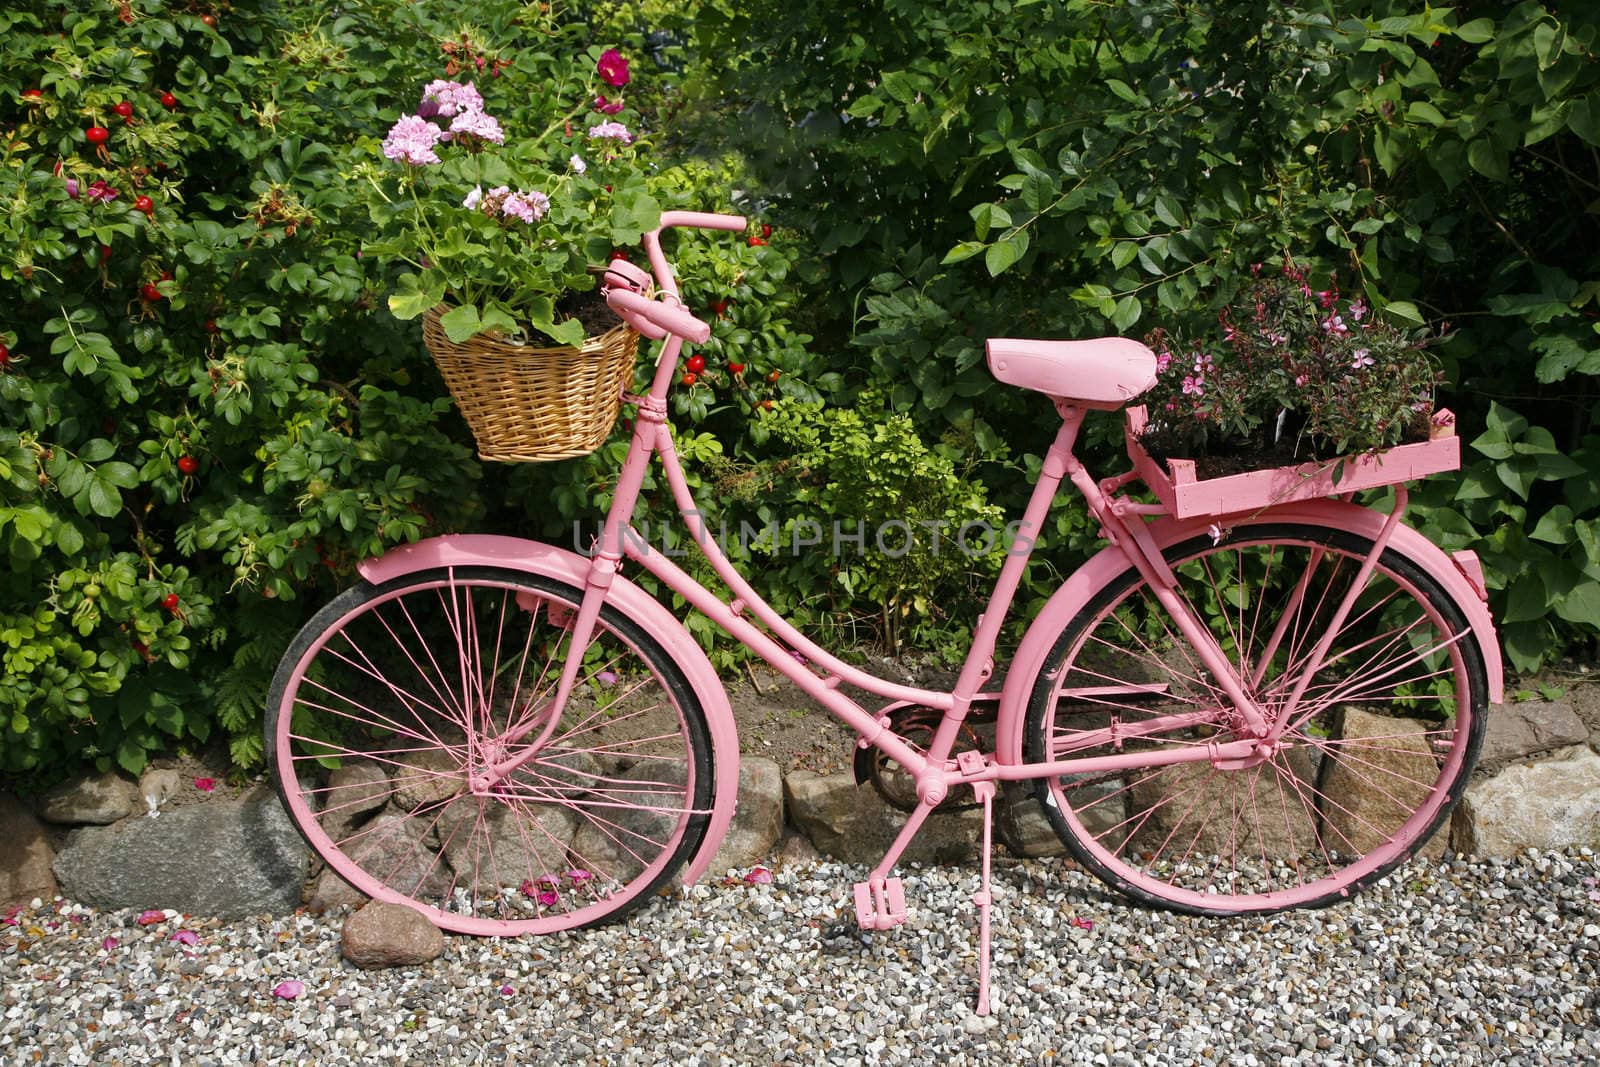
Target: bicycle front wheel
<point x="1371" y="756"/>
<point x="394" y="697"/>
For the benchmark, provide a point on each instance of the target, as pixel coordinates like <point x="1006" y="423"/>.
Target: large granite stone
<point x="91" y="799"/>
<point x="389" y="935"/>
<point x="25" y="854"/>
<point x="1381" y="769"/>
<point x="854" y="823"/>
<point x="225" y="858"/>
<point x="757" y="821"/>
<point x="1551" y="804"/>
<point x="1512" y="731"/>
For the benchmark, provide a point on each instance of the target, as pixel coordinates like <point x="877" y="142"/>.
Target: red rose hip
<point x="97" y="135"/>
<point x="125" y="109"/>
<point x="169" y="101"/>
<point x="736" y="368"/>
<point x="188" y="464"/>
<point x="697" y="364"/>
<point x="150" y="292"/>
<point x="690" y="378"/>
<point x="144" y="204"/>
<point x="170" y="601"/>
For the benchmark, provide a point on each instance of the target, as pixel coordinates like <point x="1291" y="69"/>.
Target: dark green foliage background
<point x="938" y="173"/>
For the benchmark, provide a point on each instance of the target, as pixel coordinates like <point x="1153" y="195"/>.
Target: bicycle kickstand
<point x="972" y="763"/>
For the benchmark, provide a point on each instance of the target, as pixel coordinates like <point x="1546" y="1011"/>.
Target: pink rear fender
<point x="1085" y="582"/>
<point x="533" y="557"/>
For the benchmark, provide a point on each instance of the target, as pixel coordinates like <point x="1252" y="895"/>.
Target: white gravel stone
<point x="1468" y="962"/>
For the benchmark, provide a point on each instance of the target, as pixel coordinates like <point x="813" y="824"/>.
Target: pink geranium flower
<point x="616" y="131"/>
<point x="613" y="68"/>
<point x="478" y="124"/>
<point x="449" y="99"/>
<point x="411" y="140"/>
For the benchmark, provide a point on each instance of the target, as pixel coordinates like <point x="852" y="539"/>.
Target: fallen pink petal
<point x="579" y="875"/>
<point x="1082" y="924"/>
<point x="288" y="990"/>
<point x="606" y="678"/>
<point x="205" y="785"/>
<point x="549" y="897"/>
<point x="527" y="888"/>
<point x="506" y="991"/>
<point x="185" y="937"/>
<point x="109" y="944"/>
<point x="151" y="917"/>
<point x="758" y="876"/>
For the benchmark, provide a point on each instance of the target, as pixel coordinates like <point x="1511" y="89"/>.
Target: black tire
<point x="604" y="816"/>
<point x="1157" y="827"/>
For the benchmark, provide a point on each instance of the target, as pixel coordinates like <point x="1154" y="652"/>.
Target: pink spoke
<point x="403" y="695"/>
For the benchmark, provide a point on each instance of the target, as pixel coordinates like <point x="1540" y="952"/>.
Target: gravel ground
<point x="1468" y="962"/>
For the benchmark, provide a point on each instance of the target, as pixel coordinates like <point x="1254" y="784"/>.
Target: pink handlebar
<point x="702" y="220"/>
<point x="668" y="317"/>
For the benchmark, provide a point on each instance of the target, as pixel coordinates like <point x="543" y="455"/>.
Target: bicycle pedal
<point x="881" y="911"/>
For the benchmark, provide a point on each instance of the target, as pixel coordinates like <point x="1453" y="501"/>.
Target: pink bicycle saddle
<point x="1103" y="373"/>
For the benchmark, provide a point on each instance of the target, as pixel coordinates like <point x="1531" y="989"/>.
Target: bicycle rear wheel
<point x="1373" y="755"/>
<point x="393" y="697"/>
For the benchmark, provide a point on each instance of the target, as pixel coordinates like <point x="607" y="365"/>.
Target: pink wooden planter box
<point x="1187" y="496"/>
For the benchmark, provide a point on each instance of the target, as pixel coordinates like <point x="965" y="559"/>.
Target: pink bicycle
<point x="1255" y="697"/>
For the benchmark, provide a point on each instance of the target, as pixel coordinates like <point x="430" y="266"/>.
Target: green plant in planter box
<point x="500" y="222"/>
<point x="1297" y="372"/>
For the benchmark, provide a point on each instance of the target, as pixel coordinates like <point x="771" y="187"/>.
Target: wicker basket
<point x="527" y="404"/>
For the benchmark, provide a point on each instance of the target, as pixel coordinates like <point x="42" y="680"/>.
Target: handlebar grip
<point x="664" y="316"/>
<point x="702" y="220"/>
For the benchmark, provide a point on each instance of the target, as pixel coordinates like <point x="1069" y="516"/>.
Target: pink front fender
<point x="533" y="557"/>
<point x="1085" y="582"/>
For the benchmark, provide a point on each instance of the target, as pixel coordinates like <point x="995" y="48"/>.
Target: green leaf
<point x="1477" y="31"/>
<point x="1488" y="159"/>
<point x="410" y="300"/>
<point x="1127" y="313"/>
<point x="1422" y="111"/>
<point x="1005" y="252"/>
<point x="1555" y="526"/>
<point x="986" y="217"/>
<point x="1404" y="309"/>
<point x="1526" y="600"/>
<point x="1123" y="253"/>
<point x="964" y="250"/>
<point x="1583" y="117"/>
<point x="1581" y="605"/>
<point x="461" y="323"/>
<point x="104" y="500"/>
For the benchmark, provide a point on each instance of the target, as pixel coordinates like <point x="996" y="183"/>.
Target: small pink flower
<point x="615" y="131"/>
<point x="577" y="164"/>
<point x="185" y="937"/>
<point x="109" y="944"/>
<point x="449" y="99"/>
<point x="1193" y="385"/>
<point x="1335" y="325"/>
<point x="205" y="785"/>
<point x="758" y="876"/>
<point x="1358" y="310"/>
<point x="100" y="192"/>
<point x="1299" y="379"/>
<point x="411" y="140"/>
<point x="474" y="198"/>
<point x="479" y="125"/>
<point x="613" y="68"/>
<point x="1325" y="298"/>
<point x="151" y="917"/>
<point x="1362" y="358"/>
<point x="288" y="990"/>
<point x="1163" y="361"/>
<point x="607" y="107"/>
<point x="548" y="897"/>
<point x="606" y="678"/>
<point x="72" y="188"/>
